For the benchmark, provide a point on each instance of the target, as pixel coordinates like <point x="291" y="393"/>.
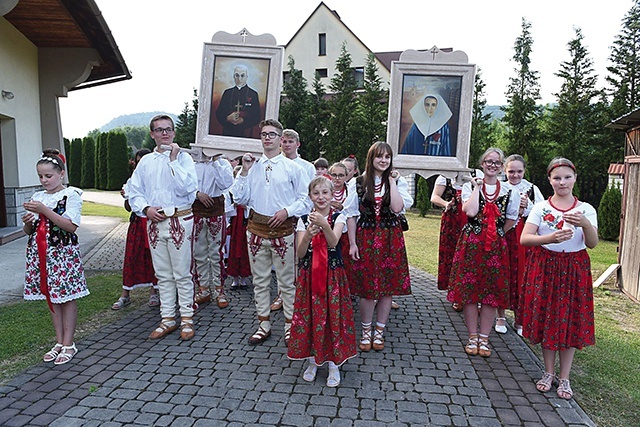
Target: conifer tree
<point x="117" y="160"/>
<point x="481" y="132"/>
<point x="371" y="111"/>
<point x="88" y="163"/>
<point x="341" y="139"/>
<point x="521" y="113"/>
<point x="293" y="102"/>
<point x="74" y="162"/>
<point x="186" y="124"/>
<point x="312" y="128"/>
<point x="625" y="68"/>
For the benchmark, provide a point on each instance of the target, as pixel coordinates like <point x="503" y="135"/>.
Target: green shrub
<point x="74" y="162"/>
<point x="87" y="179"/>
<point x="609" y="213"/>
<point x="117" y="160"/>
<point x="423" y="196"/>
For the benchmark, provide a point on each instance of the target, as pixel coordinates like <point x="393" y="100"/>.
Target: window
<point x="322" y="44"/>
<point x="358" y="75"/>
<point x="322" y="72"/>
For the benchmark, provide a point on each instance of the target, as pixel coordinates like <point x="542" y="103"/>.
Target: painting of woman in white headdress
<point x="430" y="115"/>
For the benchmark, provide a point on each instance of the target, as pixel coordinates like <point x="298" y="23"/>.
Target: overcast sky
<point x="162" y="42"/>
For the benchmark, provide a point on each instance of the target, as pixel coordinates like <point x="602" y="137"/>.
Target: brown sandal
<point x="164" y="329"/>
<point x="260" y="336"/>
<point x="483" y="347"/>
<point x="365" y="342"/>
<point x="472" y="345"/>
<point x="378" y="339"/>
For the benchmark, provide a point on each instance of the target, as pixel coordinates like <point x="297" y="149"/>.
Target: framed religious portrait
<point x="430" y="111"/>
<point x="240" y="86"/>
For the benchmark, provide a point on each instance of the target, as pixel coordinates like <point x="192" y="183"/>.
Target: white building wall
<point x="304" y="47"/>
<point x="20" y="116"/>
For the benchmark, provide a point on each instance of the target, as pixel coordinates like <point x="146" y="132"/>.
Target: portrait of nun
<point x="429" y="134"/>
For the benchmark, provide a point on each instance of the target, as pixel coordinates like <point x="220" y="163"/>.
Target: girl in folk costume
<point x="514" y="167"/>
<point x="54" y="267"/>
<point x="379" y="269"/>
<point x="446" y="195"/>
<point x="480" y="272"/>
<point x="557" y="297"/>
<point x="322" y="328"/>
<point x="137" y="270"/>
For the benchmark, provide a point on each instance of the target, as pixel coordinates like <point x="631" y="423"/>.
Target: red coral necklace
<point x="489" y="198"/>
<point x="575" y="202"/>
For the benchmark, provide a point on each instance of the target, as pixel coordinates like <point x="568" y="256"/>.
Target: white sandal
<point x="52" y="354"/>
<point x="333" y="380"/>
<point x="310" y="373"/>
<point x="63" y="356"/>
<point x="121" y="303"/>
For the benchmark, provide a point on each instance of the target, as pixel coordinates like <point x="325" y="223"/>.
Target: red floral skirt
<point x="137" y="270"/>
<point x="383" y="269"/>
<point x="478" y="275"/>
<point x="450" y="228"/>
<point x="323" y="326"/>
<point x="238" y="260"/>
<point x="557" y="300"/>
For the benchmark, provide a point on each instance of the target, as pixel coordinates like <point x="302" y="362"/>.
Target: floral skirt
<point x="322" y="325"/>
<point x="65" y="273"/>
<point x="557" y="300"/>
<point x="450" y="228"/>
<point x="383" y="269"/>
<point x="479" y="275"/>
<point x="137" y="270"/>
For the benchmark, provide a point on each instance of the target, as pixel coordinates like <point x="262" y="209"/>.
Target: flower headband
<point x="559" y="165"/>
<point x="50" y="159"/>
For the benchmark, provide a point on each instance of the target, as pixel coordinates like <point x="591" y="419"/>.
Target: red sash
<point x="319" y="265"/>
<point x="490" y="213"/>
<point x="41" y="243"/>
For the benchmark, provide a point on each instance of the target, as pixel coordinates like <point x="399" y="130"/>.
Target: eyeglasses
<point x="338" y="175"/>
<point x="163" y="130"/>
<point x="270" y="135"/>
<point x="497" y="163"/>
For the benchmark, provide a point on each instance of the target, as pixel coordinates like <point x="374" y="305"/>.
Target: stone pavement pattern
<point x="423" y="377"/>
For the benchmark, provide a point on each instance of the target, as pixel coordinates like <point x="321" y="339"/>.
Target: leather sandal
<point x="378" y="339"/>
<point x="65" y="356"/>
<point x="545" y="383"/>
<point x="186" y="330"/>
<point x="564" y="389"/>
<point x="222" y="301"/>
<point x="203" y="295"/>
<point x="260" y="336"/>
<point x="365" y="342"/>
<point x="472" y="345"/>
<point x="483" y="347"/>
<point x="121" y="303"/>
<point x="52" y="354"/>
<point x="287" y="333"/>
<point x="457" y="307"/>
<point x="163" y="329"/>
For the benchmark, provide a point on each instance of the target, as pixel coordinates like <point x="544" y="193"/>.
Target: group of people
<point x="328" y="238"/>
<point x="322" y="234"/>
<point x="502" y="246"/>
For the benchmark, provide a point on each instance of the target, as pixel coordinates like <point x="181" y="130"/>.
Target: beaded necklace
<point x="490" y="198"/>
<point x="340" y="195"/>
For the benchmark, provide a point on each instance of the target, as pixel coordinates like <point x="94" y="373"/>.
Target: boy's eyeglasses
<point x="270" y="135"/>
<point x="163" y="130"/>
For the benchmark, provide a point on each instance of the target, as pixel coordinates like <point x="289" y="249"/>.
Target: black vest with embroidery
<point x="57" y="236"/>
<point x="475" y="224"/>
<point x="388" y="219"/>
<point x="334" y="255"/>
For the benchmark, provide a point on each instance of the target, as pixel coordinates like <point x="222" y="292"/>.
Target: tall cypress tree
<point x="521" y="113"/>
<point x="117" y="160"/>
<point x="74" y="162"/>
<point x="88" y="163"/>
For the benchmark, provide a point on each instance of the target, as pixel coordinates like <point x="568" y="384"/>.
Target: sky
<point x="162" y="42"/>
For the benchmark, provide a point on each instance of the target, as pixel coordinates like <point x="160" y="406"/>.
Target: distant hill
<point x="137" y="119"/>
<point x="495" y="110"/>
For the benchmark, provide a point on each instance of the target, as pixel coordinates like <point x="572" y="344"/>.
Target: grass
<point x="605" y="377"/>
<point x="96" y="209"/>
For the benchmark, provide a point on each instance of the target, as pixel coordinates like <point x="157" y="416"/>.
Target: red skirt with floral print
<point x="383" y="269"/>
<point x="322" y="325"/>
<point x="478" y="275"/>
<point x="450" y="227"/>
<point x="557" y="300"/>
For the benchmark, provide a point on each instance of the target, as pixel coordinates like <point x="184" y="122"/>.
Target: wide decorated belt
<point x="259" y="225"/>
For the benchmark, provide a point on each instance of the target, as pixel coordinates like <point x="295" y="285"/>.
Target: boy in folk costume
<point x="274" y="189"/>
<point x="215" y="176"/>
<point x="163" y="188"/>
